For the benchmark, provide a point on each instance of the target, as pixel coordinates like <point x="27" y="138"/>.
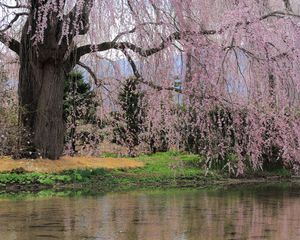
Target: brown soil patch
<point x="66" y="163"/>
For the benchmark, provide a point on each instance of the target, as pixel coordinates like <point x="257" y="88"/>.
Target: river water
<point x="237" y="212"/>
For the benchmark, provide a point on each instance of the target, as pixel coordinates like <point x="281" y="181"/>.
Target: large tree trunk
<point x="46" y="56"/>
<point x="49" y="126"/>
<point x="41" y="86"/>
<point x="41" y="100"/>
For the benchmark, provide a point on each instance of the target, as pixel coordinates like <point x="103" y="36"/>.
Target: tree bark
<point x="48" y="125"/>
<point x="41" y="99"/>
<point x="41" y="86"/>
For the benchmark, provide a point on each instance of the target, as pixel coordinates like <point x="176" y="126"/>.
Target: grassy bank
<point x="170" y="169"/>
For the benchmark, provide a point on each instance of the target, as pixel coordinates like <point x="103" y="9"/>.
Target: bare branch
<point x="287" y="5"/>
<point x="134" y="29"/>
<point x="130" y="6"/>
<point x="279" y="14"/>
<point x="140" y="78"/>
<point x="86" y="67"/>
<point x="132" y="64"/>
<point x="93" y="75"/>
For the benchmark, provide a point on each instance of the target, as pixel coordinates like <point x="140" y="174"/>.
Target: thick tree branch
<point x="11" y="43"/>
<point x="17" y="6"/>
<point x="139" y="50"/>
<point x="10" y="24"/>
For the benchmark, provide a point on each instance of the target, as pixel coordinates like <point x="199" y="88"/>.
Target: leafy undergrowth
<point x="64" y="177"/>
<point x="33" y="178"/>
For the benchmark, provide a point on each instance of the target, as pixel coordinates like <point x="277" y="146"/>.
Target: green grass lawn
<point x="168" y="164"/>
<point x="166" y="169"/>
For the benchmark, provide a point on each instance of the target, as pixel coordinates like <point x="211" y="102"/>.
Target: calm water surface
<point x="251" y="212"/>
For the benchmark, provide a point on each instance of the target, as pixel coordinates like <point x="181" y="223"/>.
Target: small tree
<point x="128" y="122"/>
<point x="79" y="108"/>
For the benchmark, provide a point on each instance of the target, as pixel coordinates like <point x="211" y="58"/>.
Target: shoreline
<point x="95" y="186"/>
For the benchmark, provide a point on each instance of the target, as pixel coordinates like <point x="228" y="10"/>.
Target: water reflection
<point x="265" y="212"/>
